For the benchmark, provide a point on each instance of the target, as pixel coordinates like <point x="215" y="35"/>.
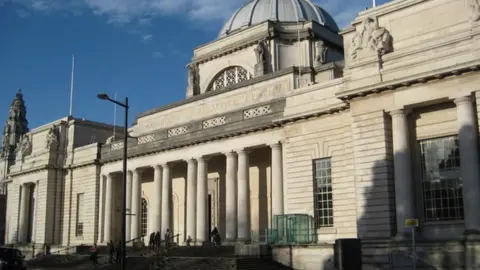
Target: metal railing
<point x="290" y="236"/>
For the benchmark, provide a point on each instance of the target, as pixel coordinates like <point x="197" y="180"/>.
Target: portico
<point x="193" y="175"/>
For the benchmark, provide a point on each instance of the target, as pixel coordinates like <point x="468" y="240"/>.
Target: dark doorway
<point x="209" y="212"/>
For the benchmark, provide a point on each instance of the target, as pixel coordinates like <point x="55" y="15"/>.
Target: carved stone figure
<point x="193" y="77"/>
<point x="475" y="6"/>
<point x="371" y="36"/>
<point x="260" y="51"/>
<point x="25" y="145"/>
<point x="52" y="138"/>
<point x="321" y="50"/>
<point x="6" y="129"/>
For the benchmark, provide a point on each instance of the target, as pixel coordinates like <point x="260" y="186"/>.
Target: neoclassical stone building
<point x="340" y="134"/>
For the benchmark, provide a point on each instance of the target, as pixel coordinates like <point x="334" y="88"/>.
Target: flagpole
<point x="374" y="3"/>
<point x="71" y="86"/>
<point x="115" y="118"/>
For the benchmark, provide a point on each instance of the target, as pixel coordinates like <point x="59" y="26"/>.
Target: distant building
<point x="292" y="133"/>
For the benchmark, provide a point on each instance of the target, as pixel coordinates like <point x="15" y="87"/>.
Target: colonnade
<point x="404" y="185"/>
<point x="238" y="218"/>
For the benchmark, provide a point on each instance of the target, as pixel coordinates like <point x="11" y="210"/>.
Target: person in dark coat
<point x="157" y="240"/>
<point x="151" y="241"/>
<point x="111" y="251"/>
<point x="118" y="250"/>
<point x="94" y="255"/>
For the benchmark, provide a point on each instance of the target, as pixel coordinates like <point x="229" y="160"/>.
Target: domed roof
<point x="257" y="11"/>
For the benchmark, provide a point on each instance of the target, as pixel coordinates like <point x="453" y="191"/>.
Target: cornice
<point x="31" y="170"/>
<point x="421" y="78"/>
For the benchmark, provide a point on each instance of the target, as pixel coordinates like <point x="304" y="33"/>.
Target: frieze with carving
<point x="371" y="37"/>
<point x="475" y="6"/>
<point x="52" y="138"/>
<point x="206" y="108"/>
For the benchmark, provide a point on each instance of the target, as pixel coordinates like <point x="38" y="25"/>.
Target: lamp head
<point x="103" y="96"/>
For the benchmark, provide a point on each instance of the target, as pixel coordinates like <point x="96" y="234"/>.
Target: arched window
<point x="144" y="217"/>
<point x="229" y="76"/>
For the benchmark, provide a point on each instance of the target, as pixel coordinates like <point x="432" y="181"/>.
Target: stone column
<point x="157" y="199"/>
<point x="231" y="197"/>
<point x="24" y="212"/>
<point x="166" y="200"/>
<point x="277" y="179"/>
<point x="468" y="144"/>
<point x="244" y="224"/>
<point x="34" y="218"/>
<point x="202" y="200"/>
<point x="191" y="199"/>
<point x="402" y="165"/>
<point x="128" y="225"/>
<point x="136" y="204"/>
<point x="108" y="208"/>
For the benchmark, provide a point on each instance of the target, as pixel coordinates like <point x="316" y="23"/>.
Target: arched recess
<point x="144" y="218"/>
<point x="229" y="76"/>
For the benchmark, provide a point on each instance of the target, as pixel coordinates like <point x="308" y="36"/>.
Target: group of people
<point x="155" y="240"/>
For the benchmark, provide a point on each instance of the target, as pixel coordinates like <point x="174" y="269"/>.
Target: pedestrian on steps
<point x="94" y="256"/>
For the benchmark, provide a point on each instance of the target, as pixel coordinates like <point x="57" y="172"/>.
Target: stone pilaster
<point x="157" y="199"/>
<point x="404" y="192"/>
<point x="24" y="212"/>
<point x="277" y="179"/>
<point x="468" y="144"/>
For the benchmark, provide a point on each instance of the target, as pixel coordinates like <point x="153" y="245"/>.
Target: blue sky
<point x="135" y="48"/>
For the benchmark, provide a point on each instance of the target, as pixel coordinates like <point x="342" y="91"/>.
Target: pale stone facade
<point x="359" y="145"/>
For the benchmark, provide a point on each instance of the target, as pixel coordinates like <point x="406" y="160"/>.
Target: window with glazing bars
<point x="144" y="217"/>
<point x="80" y="214"/>
<point x="441" y="182"/>
<point x="322" y="170"/>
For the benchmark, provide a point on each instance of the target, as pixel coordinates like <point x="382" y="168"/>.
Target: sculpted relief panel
<point x="371" y="37"/>
<point x="215" y="105"/>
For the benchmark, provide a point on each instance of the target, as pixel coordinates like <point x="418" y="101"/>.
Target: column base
<point x="243" y="241"/>
<point x="471" y="232"/>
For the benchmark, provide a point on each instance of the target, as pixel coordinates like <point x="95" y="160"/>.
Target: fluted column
<point x="136" y="204"/>
<point x="191" y="199"/>
<point x="243" y="233"/>
<point x="202" y="200"/>
<point x="166" y="199"/>
<point x="468" y="144"/>
<point x="24" y="211"/>
<point x="108" y="208"/>
<point x="277" y="179"/>
<point x="231" y="197"/>
<point x="128" y="225"/>
<point x="402" y="162"/>
<point x="34" y="218"/>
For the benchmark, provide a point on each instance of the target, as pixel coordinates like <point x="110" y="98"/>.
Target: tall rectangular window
<point x="441" y="182"/>
<point x="80" y="214"/>
<point x="323" y="192"/>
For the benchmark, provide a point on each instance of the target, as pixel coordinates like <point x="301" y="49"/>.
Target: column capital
<point x="461" y="100"/>
<point x="157" y="167"/>
<point x="243" y="151"/>
<point x="275" y="145"/>
<point x="203" y="158"/>
<point x="230" y="153"/>
<point x="190" y="161"/>
<point x="399" y="112"/>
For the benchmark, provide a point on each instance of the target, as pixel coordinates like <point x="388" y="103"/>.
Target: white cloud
<point x="157" y="55"/>
<point x="22" y="13"/>
<point x="147" y="38"/>
<point x="141" y="12"/>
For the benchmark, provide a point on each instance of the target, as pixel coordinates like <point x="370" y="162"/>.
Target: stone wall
<point x="312" y="257"/>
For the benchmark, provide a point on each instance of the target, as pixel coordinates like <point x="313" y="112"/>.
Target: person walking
<point x="94" y="255"/>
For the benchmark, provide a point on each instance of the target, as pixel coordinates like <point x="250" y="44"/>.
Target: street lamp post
<point x="124" y="184"/>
